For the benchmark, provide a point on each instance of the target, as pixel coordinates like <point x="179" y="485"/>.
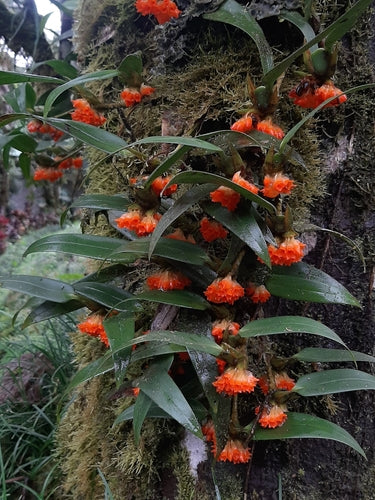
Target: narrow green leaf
<point x="288" y="324"/>
<point x="102" y="202"/>
<point x="185" y="141"/>
<point x="180" y="298"/>
<point x="9" y="77"/>
<point x="243" y="224"/>
<point x="140" y="411"/>
<point x="84" y="245"/>
<point x="120" y="328"/>
<point x="61" y="67"/>
<point x="332" y="381"/>
<point x="300" y="425"/>
<point x="43" y="288"/>
<point x="295" y="18"/>
<point x="157" y="384"/>
<point x="171" y="160"/>
<point x="12" y="117"/>
<point x="231" y="12"/>
<point x="304" y="282"/>
<point x="153" y="350"/>
<point x="49" y="309"/>
<point x="92" y="370"/>
<point x="80" y="80"/>
<point x="109" y="296"/>
<point x="21" y="142"/>
<point x="321" y="355"/>
<point x="130" y="70"/>
<point x="188" y="199"/>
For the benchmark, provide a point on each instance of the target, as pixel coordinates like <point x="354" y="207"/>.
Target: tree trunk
<point x="199" y="70"/>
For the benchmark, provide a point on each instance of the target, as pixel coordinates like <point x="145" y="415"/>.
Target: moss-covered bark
<point x="199" y="71"/>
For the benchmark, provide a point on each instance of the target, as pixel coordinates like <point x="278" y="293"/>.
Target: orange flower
<point x="226" y="197"/>
<point x="224" y="325"/>
<point x="244" y="124"/>
<point x="272" y="417"/>
<point x="129" y="220"/>
<point x="135" y="220"/>
<point x="234" y="381"/>
<point x="146" y="90"/>
<point x="221" y="364"/>
<point x="93" y="326"/>
<point x="179" y="235"/>
<point x="257" y="293"/>
<point x="283" y="382"/>
<point x="208" y="430"/>
<point x="277" y="184"/>
<point x="148" y="223"/>
<point x="78" y="162"/>
<point x="136" y="391"/>
<point x="163" y="10"/>
<point x="130" y="96"/>
<point x="168" y="280"/>
<point x="244" y="183"/>
<point x="47" y="174"/>
<point x="224" y="290"/>
<point x="264" y="384"/>
<point x="44" y="128"/>
<point x="211" y="230"/>
<point x="287" y="253"/>
<point x="159" y="184"/>
<point x="234" y="451"/>
<point x="33" y="126"/>
<point x="308" y="94"/>
<point x="268" y="127"/>
<point x="83" y="112"/>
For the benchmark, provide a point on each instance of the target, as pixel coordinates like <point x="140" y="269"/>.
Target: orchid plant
<point x="240" y="249"/>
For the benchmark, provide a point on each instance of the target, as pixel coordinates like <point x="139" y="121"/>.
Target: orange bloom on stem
<point x="234" y="451"/>
<point x="257" y="293"/>
<point x="221" y="364"/>
<point x="211" y="230"/>
<point x="224" y="290"/>
<point x="226" y="197"/>
<point x="135" y="220"/>
<point x="220" y="326"/>
<point x="284" y="382"/>
<point x="268" y="127"/>
<point x="130" y="96"/>
<point x="146" y="90"/>
<point x="159" y="184"/>
<point x="287" y="253"/>
<point x="78" y="162"/>
<point x="264" y="384"/>
<point x="168" y="280"/>
<point x="234" y="381"/>
<point x="147" y="223"/>
<point x="308" y="94"/>
<point x="272" y="417"/>
<point x="163" y="10"/>
<point x="83" y="112"/>
<point x="244" y="124"/>
<point x="129" y="220"/>
<point x="208" y="430"/>
<point x="238" y="179"/>
<point x="33" y="126"/>
<point x="277" y="184"/>
<point x="47" y="174"/>
<point x="179" y="235"/>
<point x="93" y="326"/>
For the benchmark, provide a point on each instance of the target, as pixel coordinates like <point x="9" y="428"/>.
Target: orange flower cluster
<point x="135" y="220"/>
<point x="238" y="179"/>
<point x="234" y="451"/>
<point x="131" y="95"/>
<point x="224" y="290"/>
<point x="159" y="184"/>
<point x="178" y="234"/>
<point x="288" y="252"/>
<point x="308" y="94"/>
<point x="277" y="184"/>
<point x="224" y="325"/>
<point x="257" y="293"/>
<point x="36" y="126"/>
<point x="69" y="163"/>
<point x="234" y="381"/>
<point x="246" y="124"/>
<point x="209" y="433"/>
<point x="47" y="174"/>
<point x="226" y="197"/>
<point x="168" y="280"/>
<point x="221" y="364"/>
<point x="281" y="381"/>
<point x="93" y="326"/>
<point x="211" y="230"/>
<point x="163" y="10"/>
<point x="272" y="417"/>
<point x="83" y="112"/>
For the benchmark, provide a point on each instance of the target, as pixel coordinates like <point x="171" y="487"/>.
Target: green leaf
<point x="88" y="134"/>
<point x="12" y="117"/>
<point x="180" y="298"/>
<point x="157" y="384"/>
<point x="243" y="224"/>
<point x="109" y="296"/>
<point x="48" y="309"/>
<point x="194" y="195"/>
<point x="21" y="142"/>
<point x="153" y="350"/>
<point x="140" y="411"/>
<point x="102" y="202"/>
<point x="295" y="18"/>
<point x="120" y="328"/>
<point x="332" y="381"/>
<point x="304" y="282"/>
<point x="130" y="70"/>
<point x="185" y="141"/>
<point x="9" y="77"/>
<point x="321" y="355"/>
<point x="300" y="425"/>
<point x="92" y="370"/>
<point x="231" y="12"/>
<point x="61" y="67"/>
<point x="173" y="158"/>
<point x="84" y="245"/>
<point x="80" y="80"/>
<point x="43" y="288"/>
<point x="288" y="324"/>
